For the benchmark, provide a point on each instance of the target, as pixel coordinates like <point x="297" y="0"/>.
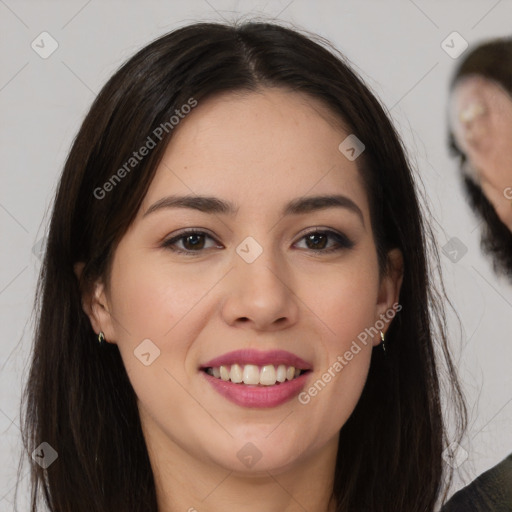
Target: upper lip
<point x="259" y="358"/>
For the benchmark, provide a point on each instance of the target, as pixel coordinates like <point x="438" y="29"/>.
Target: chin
<point x="257" y="455"/>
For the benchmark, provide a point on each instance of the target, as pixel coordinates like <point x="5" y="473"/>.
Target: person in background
<point x="480" y="118"/>
<point x="480" y="136"/>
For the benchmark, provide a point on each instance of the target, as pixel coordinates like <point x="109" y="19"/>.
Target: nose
<point x="260" y="294"/>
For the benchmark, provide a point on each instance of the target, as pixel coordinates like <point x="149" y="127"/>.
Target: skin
<point x="258" y="150"/>
<point x="481" y="117"/>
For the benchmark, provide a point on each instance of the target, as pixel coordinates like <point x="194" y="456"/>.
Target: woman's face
<point x="251" y="281"/>
<point x="481" y="119"/>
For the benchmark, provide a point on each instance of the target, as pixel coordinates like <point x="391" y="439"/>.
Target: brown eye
<point x="317" y="241"/>
<point x="192" y="241"/>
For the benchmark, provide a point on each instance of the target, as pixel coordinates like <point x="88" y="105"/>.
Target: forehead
<point x="478" y="105"/>
<point x="258" y="147"/>
<point x="476" y="88"/>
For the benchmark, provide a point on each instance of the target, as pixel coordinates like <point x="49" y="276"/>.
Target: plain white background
<point x="397" y="48"/>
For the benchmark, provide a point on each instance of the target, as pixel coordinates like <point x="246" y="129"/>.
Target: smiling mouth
<point x="253" y="375"/>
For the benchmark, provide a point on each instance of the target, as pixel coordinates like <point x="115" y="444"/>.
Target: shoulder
<point x="490" y="492"/>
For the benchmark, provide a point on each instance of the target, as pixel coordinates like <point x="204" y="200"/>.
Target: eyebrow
<point x="214" y="205"/>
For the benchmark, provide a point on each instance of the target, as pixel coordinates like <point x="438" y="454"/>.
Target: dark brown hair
<point x="491" y="60"/>
<point x="79" y="399"/>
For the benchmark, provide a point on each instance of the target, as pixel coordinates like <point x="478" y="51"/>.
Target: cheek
<point x="346" y="295"/>
<point x="151" y="298"/>
<point x="346" y="305"/>
<point x="348" y="347"/>
<point x="335" y="387"/>
<point x="152" y="301"/>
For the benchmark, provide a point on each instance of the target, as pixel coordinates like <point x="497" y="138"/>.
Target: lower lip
<point x="258" y="396"/>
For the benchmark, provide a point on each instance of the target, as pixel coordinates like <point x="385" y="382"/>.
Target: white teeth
<point x="224" y="374"/>
<point x="251" y="374"/>
<point x="281" y="373"/>
<point x="268" y="375"/>
<point x="235" y="374"/>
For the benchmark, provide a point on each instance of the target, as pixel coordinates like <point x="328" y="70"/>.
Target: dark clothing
<point x="490" y="492"/>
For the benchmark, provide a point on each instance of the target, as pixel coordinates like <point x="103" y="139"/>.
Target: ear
<point x="389" y="290"/>
<point x="96" y="306"/>
<point x="470" y="119"/>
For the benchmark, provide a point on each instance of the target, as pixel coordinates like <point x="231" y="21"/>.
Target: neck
<point x="185" y="484"/>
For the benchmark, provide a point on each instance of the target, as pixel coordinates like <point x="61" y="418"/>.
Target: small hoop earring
<point x="383" y="339"/>
<point x="101" y="339"/>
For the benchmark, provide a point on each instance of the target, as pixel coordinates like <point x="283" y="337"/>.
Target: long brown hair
<point x="79" y="399"/>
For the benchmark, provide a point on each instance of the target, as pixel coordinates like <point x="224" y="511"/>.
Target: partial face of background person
<point x="481" y="117"/>
<point x="480" y="134"/>
<point x="258" y="151"/>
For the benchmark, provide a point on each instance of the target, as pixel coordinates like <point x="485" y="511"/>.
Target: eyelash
<point x="343" y="242"/>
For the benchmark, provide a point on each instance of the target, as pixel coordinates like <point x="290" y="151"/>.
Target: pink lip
<point x="259" y="358"/>
<point x="258" y="396"/>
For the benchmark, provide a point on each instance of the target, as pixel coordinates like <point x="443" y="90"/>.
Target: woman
<point x="481" y="138"/>
<point x="480" y="116"/>
<point x="237" y="226"/>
